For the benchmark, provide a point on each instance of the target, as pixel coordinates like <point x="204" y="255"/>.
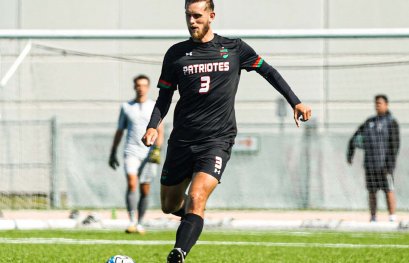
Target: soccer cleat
<point x="139" y="229"/>
<point x="392" y="218"/>
<point x="177" y="255"/>
<point x="131" y="229"/>
<point x="74" y="214"/>
<point x="373" y="219"/>
<point x="90" y="219"/>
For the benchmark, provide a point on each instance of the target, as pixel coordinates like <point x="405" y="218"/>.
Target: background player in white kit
<point x="139" y="161"/>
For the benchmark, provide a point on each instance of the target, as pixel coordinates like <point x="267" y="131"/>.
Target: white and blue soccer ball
<point x="120" y="259"/>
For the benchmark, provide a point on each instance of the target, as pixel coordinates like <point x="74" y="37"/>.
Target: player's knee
<point x="196" y="199"/>
<point x="144" y="190"/>
<point x="132" y="183"/>
<point x="132" y="186"/>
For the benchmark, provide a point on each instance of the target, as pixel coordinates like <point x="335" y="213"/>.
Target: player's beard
<point x="199" y="34"/>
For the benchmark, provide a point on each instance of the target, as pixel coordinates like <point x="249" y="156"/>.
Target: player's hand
<point x="154" y="155"/>
<point x="150" y="137"/>
<point x="113" y="161"/>
<point x="301" y="113"/>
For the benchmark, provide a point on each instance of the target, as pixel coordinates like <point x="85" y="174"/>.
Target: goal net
<point x="60" y="104"/>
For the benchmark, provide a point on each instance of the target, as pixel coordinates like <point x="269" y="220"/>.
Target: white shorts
<point x="145" y="170"/>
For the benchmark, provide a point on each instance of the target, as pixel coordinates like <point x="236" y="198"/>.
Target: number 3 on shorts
<point x="204" y="84"/>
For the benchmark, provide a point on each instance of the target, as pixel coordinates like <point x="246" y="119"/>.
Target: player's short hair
<point x="141" y="77"/>
<point x="382" y="96"/>
<point x="209" y="3"/>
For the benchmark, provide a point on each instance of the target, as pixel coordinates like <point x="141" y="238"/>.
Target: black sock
<point x="181" y="212"/>
<point x="188" y="232"/>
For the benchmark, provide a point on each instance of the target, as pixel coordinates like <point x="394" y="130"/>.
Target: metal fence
<point x="61" y="162"/>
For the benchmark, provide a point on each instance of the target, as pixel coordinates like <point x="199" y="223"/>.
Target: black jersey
<point x="207" y="76"/>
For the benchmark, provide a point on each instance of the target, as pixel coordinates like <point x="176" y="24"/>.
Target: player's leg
<point x="372" y="185"/>
<point x="173" y="201"/>
<point x="388" y="187"/>
<point x="175" y="178"/>
<point x="131" y="165"/>
<point x="372" y="205"/>
<point x="144" y="189"/>
<point x="147" y="172"/>
<point x="191" y="226"/>
<point x="391" y="202"/>
<point x="173" y="197"/>
<point x="200" y="189"/>
<point x="131" y="203"/>
<point x="209" y="166"/>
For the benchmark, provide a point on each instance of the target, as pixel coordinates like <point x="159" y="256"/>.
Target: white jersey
<point x="135" y="117"/>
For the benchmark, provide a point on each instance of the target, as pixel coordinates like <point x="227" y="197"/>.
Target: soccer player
<point x="206" y="71"/>
<point x="139" y="161"/>
<point x="378" y="136"/>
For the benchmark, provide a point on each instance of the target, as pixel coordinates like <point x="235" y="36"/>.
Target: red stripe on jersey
<point x="256" y="63"/>
<point x="165" y="82"/>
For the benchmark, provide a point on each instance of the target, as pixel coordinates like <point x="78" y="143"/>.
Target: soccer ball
<point x="120" y="259"/>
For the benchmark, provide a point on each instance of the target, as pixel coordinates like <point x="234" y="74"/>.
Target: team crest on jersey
<point x="224" y="52"/>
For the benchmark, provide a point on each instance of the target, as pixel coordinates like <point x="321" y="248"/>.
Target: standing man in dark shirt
<point x="206" y="70"/>
<point x="379" y="138"/>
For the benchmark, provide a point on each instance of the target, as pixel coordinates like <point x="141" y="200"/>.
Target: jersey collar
<point x="209" y="43"/>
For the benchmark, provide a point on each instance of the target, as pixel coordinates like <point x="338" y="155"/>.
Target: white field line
<point x="68" y="241"/>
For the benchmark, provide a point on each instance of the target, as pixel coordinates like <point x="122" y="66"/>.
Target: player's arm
<point x="394" y="144"/>
<point x="353" y="142"/>
<point x="154" y="128"/>
<point x="117" y="139"/>
<point x="278" y="82"/>
<point x="122" y="123"/>
<point x="167" y="85"/>
<point x="395" y="138"/>
<point x="249" y="60"/>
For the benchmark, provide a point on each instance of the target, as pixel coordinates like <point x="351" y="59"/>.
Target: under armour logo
<point x="218" y="164"/>
<point x="189" y="54"/>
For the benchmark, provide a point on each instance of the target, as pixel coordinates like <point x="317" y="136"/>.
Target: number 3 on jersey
<point x="204" y="84"/>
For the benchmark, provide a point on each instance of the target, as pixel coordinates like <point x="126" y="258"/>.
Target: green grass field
<point x="279" y="246"/>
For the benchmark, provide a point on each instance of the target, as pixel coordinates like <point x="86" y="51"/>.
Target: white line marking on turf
<point x="68" y="241"/>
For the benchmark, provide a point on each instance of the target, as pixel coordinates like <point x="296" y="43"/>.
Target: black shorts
<point x="182" y="161"/>
<point x="379" y="180"/>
